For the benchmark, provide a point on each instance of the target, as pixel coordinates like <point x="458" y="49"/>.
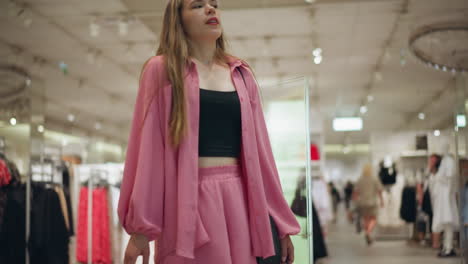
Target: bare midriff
<point x="204" y="162"/>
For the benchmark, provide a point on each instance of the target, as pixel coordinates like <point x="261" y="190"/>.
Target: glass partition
<point x="461" y="136"/>
<point x="288" y="125"/>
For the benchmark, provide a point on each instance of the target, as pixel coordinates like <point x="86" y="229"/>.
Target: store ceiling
<point x="358" y="39"/>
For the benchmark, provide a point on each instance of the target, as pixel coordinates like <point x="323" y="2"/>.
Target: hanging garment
<point x="389" y="214"/>
<point x="66" y="191"/>
<point x="408" y="207"/>
<point x="63" y="206"/>
<point x="116" y="229"/>
<point x="101" y="247"/>
<point x="166" y="176"/>
<point x="314" y="152"/>
<point x="465" y="206"/>
<point x="49" y="237"/>
<point x="5" y="176"/>
<point x="322" y="201"/>
<point x="320" y="248"/>
<point x="426" y="203"/>
<point x="13" y="228"/>
<point x="388" y="175"/>
<point x="443" y="194"/>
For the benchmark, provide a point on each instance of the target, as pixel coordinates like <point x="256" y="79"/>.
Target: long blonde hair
<point x="175" y="47"/>
<point x="367" y="171"/>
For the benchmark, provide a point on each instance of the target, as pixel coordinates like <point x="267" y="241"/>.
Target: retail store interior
<point x="349" y="88"/>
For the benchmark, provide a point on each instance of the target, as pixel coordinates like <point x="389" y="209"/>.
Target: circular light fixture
<point x="422" y="116"/>
<point x="71" y="117"/>
<point x="15" y="82"/>
<point x="40" y="129"/>
<point x="436" y="133"/>
<point x="441" y="46"/>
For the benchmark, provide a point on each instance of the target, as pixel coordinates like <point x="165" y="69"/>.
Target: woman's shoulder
<point x="154" y="63"/>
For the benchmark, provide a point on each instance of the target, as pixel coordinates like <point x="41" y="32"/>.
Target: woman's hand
<point x="138" y="245"/>
<point x="287" y="250"/>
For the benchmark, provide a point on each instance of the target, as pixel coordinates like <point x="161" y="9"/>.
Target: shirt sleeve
<point x="278" y="207"/>
<point x="141" y="201"/>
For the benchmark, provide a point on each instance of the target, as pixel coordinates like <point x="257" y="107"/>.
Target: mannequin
<point x="387" y="173"/>
<point x="389" y="214"/>
<point x="446" y="216"/>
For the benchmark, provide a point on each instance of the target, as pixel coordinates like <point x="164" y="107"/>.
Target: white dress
<point x="322" y="201"/>
<point x="443" y="196"/>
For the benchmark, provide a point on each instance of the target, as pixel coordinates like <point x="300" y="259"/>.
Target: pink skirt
<point x="223" y="210"/>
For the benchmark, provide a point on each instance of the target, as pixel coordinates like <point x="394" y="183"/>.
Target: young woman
<point x="200" y="178"/>
<point x="366" y="193"/>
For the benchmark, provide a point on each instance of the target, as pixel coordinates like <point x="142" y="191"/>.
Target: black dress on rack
<point x="13" y="227"/>
<point x="49" y="239"/>
<point x="408" y="207"/>
<point x="320" y="249"/>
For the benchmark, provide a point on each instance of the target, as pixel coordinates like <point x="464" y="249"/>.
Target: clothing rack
<point x="95" y="178"/>
<point x="43" y="159"/>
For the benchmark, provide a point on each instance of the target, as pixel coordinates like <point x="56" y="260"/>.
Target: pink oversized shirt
<point x="159" y="191"/>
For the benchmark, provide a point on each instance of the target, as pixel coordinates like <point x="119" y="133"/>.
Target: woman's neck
<point x="204" y="53"/>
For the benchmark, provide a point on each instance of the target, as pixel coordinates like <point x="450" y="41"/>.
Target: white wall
<point x="340" y="168"/>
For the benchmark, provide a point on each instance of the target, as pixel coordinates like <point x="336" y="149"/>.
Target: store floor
<point x="345" y="246"/>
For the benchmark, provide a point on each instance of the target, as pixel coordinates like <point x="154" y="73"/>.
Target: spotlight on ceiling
<point x="363" y="109"/>
<point x="71" y="117"/>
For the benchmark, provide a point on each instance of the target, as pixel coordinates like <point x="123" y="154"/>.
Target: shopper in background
<point x="199" y="171"/>
<point x="427" y="204"/>
<point x="336" y="199"/>
<point x="348" y="192"/>
<point x="446" y="218"/>
<point x="367" y="192"/>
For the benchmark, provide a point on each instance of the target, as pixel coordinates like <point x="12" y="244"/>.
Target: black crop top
<point x="220" y="124"/>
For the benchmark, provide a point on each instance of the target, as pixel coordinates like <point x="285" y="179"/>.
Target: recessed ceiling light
<point x="94" y="28"/>
<point x="98" y="126"/>
<point x="461" y="121"/>
<point x="422" y="116"/>
<point x="317" y="52"/>
<point x="123" y="27"/>
<point x="318" y="60"/>
<point x="436" y="133"/>
<point x="71" y="117"/>
<point x="363" y="109"/>
<point x="40" y="129"/>
<point x="347" y="124"/>
<point x="13" y="121"/>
